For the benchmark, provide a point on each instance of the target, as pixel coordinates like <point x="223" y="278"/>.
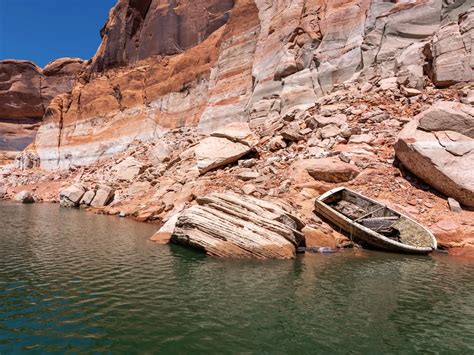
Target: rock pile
<point x="77" y="194"/>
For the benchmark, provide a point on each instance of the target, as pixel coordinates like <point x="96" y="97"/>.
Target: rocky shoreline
<point x="291" y="163"/>
<point x="278" y="102"/>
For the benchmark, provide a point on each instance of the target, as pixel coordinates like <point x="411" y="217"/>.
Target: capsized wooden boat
<point x="374" y="224"/>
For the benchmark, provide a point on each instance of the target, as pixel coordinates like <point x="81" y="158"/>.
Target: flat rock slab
<point x="237" y="132"/>
<point x="128" y="169"/>
<point x="214" y="152"/>
<point x="237" y="226"/>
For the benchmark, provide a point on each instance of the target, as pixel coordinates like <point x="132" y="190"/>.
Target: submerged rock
<point x="229" y="225"/>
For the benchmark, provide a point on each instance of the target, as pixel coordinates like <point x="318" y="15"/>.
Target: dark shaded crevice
<point x="118" y="96"/>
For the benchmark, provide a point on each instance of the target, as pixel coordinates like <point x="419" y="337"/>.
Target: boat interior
<point x="379" y="218"/>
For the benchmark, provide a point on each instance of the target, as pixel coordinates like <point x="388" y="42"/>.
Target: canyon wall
<point x="25" y="92"/>
<point x="168" y="64"/>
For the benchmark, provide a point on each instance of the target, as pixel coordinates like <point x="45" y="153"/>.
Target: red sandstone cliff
<point x="165" y="64"/>
<point x="25" y="92"/>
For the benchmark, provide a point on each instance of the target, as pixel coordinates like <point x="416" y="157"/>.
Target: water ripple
<point x="77" y="282"/>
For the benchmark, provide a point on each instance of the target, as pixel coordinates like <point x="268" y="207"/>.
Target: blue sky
<point x="44" y="30"/>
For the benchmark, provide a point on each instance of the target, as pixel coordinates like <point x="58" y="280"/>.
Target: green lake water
<point x="76" y="282"/>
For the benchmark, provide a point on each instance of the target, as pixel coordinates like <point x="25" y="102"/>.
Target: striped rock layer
<point x="229" y="225"/>
<point x="166" y="64"/>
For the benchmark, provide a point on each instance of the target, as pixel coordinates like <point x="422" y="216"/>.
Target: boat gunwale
<point x="394" y="243"/>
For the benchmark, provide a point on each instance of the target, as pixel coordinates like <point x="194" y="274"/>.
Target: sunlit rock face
<point x="169" y="64"/>
<point x="139" y="29"/>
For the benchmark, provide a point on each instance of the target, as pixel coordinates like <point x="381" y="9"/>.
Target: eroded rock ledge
<point x="230" y="225"/>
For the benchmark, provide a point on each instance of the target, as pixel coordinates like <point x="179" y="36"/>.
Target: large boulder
<point x="438" y="147"/>
<point x="71" y="196"/>
<point x="87" y="198"/>
<point x="331" y="170"/>
<point x="237" y="132"/>
<point x="103" y="196"/>
<point x="24" y="197"/>
<point x="228" y="225"/>
<point x="25" y="92"/>
<point x="214" y="152"/>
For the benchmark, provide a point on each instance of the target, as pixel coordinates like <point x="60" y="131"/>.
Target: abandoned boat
<point x="373" y="224"/>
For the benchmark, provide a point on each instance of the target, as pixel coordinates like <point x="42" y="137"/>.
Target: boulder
<point x="438" y="147"/>
<point x="448" y="116"/>
<point x="128" y="169"/>
<point x="331" y="170"/>
<point x="71" y="196"/>
<point x="24" y="197"/>
<point x="366" y="138"/>
<point x="103" y="196"/>
<point x="3" y="192"/>
<point x="214" y="152"/>
<point x="330" y="131"/>
<point x="160" y="153"/>
<point x="88" y="197"/>
<point x="237" y="132"/>
<point x="163" y="235"/>
<point x="230" y="225"/>
<point x="339" y="120"/>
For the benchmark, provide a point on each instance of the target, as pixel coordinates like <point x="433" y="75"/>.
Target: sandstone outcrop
<point x="226" y="225"/>
<point x="248" y="61"/>
<point x="139" y="29"/>
<point x="451" y="51"/>
<point x="438" y="147"/>
<point x="25" y="92"/>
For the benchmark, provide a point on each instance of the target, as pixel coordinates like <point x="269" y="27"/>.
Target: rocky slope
<point x="257" y="60"/>
<point x="302" y="95"/>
